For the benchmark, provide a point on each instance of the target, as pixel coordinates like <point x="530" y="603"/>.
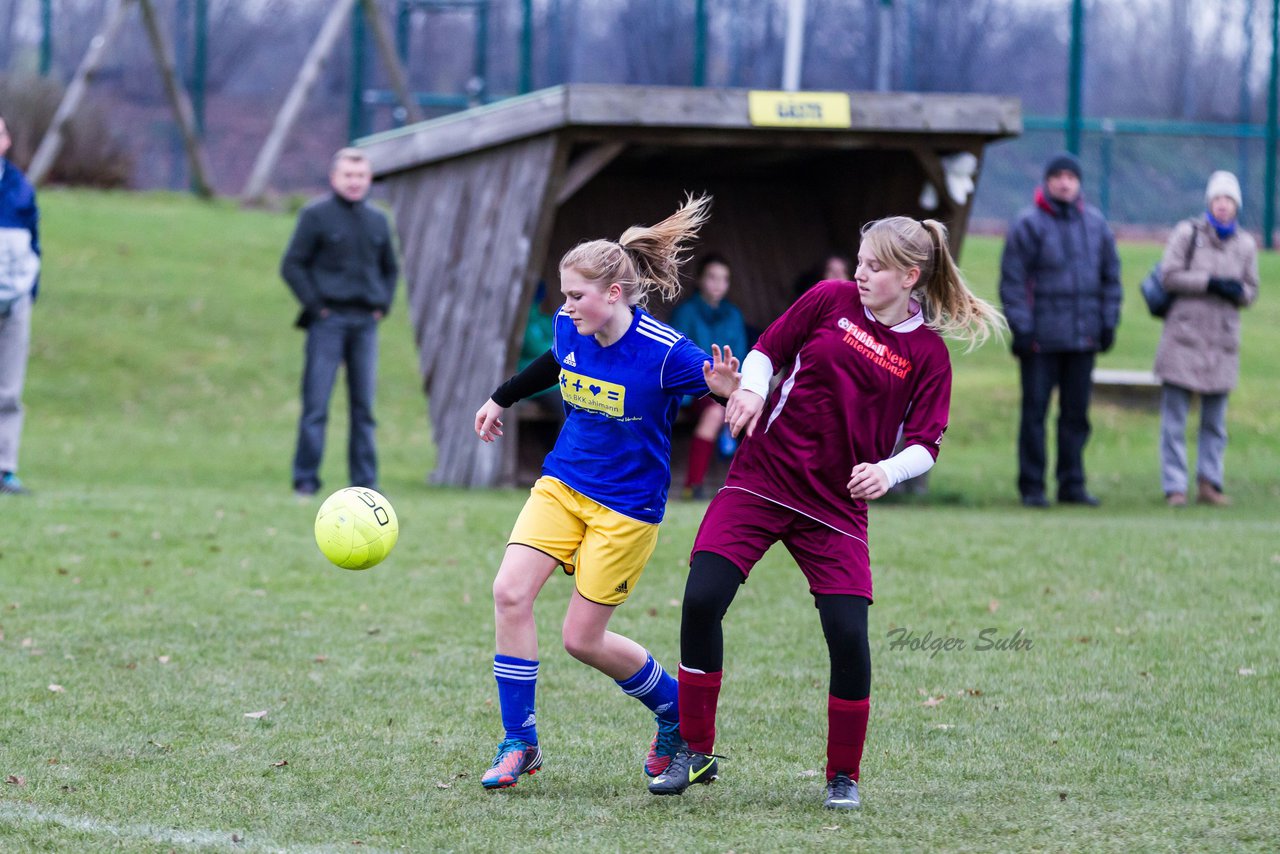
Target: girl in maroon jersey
<point x="863" y="363"/>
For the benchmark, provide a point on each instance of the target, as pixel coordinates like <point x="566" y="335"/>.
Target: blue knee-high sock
<point x="517" y="685"/>
<point x="656" y="688"/>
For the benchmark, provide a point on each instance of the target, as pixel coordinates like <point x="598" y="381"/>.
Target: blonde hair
<point x="644" y="259"/>
<point x="950" y="308"/>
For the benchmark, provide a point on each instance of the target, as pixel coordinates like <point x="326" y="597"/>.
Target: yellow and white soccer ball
<point x="356" y="528"/>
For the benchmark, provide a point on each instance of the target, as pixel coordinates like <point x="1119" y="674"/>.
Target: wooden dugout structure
<point x="486" y="201"/>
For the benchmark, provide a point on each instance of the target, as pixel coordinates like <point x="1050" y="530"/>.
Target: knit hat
<point x="1063" y="161"/>
<point x="1222" y="183"/>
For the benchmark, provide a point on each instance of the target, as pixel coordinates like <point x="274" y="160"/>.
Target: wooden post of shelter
<point x="256" y="187"/>
<point x="178" y="100"/>
<point x="51" y="143"/>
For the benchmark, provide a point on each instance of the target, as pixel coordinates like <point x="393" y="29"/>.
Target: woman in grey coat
<point x="1210" y="265"/>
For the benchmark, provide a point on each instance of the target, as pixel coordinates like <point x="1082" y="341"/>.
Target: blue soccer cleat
<point x="664" y="747"/>
<point x="514" y="757"/>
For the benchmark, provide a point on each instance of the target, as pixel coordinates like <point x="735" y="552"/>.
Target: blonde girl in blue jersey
<point x="595" y="511"/>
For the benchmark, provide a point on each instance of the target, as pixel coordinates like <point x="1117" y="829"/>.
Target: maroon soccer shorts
<point x="741" y="526"/>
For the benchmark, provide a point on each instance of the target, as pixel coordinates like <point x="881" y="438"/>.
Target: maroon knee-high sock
<point x="700" y="451"/>
<point x="699" y="694"/>
<point x="846" y="732"/>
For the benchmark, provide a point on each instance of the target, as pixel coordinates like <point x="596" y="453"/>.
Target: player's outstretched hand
<point x="489" y="421"/>
<point x="721" y="374"/>
<point x="743" y="411"/>
<point x="868" y="481"/>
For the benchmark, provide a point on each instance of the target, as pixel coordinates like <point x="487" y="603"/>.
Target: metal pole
<point x="1269" y="183"/>
<point x="526" y="46"/>
<point x="793" y="52"/>
<point x="482" y="52"/>
<point x="1246" y="65"/>
<point x="404" y="17"/>
<point x="46" y="37"/>
<point x="885" y="46"/>
<point x="1075" y="76"/>
<point x="355" y="112"/>
<point x="700" y="43"/>
<point x="1104" y="191"/>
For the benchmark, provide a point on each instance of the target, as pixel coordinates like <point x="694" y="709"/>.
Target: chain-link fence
<point x="1203" y="65"/>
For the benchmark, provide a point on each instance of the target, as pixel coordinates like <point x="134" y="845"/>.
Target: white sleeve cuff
<point x="911" y="461"/>
<point x="757" y="371"/>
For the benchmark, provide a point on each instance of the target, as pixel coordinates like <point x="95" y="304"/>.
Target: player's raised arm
<point x="721" y="373"/>
<point x="747" y="402"/>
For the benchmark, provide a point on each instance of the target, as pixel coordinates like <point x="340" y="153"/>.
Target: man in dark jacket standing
<point x="1060" y="285"/>
<point x="341" y="265"/>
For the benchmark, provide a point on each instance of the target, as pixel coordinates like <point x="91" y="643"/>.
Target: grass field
<point x="162" y="583"/>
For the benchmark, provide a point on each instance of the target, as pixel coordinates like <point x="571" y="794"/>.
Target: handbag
<point x="1158" y="299"/>
<point x="1152" y="287"/>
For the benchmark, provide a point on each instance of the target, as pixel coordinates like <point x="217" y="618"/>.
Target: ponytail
<point x="951" y="309"/>
<point x="645" y="259"/>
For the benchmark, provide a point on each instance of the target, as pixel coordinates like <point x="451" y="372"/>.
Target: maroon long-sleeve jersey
<point x="851" y="386"/>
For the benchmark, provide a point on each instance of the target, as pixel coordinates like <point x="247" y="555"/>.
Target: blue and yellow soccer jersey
<point x="621" y="400"/>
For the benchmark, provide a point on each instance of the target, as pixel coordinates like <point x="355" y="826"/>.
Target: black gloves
<point x="1231" y="290"/>
<point x="1108" y="340"/>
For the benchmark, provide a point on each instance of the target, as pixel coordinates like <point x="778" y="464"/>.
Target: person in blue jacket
<point x="707" y="318"/>
<point x="19" y="282"/>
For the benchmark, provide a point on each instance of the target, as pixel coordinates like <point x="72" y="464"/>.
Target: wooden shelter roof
<point x="654" y="112"/>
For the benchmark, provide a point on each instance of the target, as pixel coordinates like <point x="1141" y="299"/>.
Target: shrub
<point x="92" y="154"/>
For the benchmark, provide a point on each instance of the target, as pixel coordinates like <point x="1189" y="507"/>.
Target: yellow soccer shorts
<point x="602" y="549"/>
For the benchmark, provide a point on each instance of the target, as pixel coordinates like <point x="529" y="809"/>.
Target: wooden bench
<point x="1124" y="387"/>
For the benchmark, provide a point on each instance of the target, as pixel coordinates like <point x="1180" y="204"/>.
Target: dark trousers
<point x="1072" y="375"/>
<point x="342" y="337"/>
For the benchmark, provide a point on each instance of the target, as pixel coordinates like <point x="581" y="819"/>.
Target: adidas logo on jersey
<point x="570" y="361"/>
<point x="621" y="588"/>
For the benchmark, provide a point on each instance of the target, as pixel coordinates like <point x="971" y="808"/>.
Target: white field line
<point x="19" y="813"/>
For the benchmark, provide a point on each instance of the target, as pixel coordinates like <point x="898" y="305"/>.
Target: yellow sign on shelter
<point x="800" y="109"/>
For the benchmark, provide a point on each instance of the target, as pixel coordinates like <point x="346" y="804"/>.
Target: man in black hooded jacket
<point x="1060" y="286"/>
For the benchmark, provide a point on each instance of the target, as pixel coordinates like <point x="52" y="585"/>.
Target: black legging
<point x="708" y="593"/>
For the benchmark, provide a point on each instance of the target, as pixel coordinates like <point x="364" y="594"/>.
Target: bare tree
<point x="8" y="17"/>
<point x="840" y="44"/>
<point x="656" y="39"/>
<point x="241" y="38"/>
